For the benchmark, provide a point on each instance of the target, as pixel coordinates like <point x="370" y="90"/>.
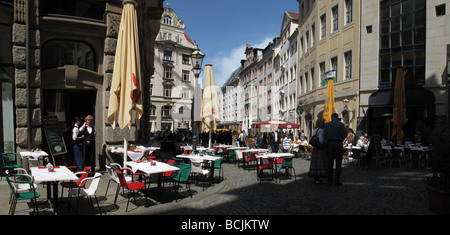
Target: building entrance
<point x="66" y="105"/>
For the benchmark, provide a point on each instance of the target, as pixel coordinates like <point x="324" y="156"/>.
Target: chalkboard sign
<point x="54" y="136"/>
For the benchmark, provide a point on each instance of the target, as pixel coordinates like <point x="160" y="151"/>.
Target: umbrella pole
<point x="209" y="141"/>
<point x="125" y="145"/>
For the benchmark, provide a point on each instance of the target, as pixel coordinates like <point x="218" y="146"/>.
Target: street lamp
<point x="197" y="60"/>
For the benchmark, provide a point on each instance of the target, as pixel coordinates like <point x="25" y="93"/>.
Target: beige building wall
<point x="318" y="52"/>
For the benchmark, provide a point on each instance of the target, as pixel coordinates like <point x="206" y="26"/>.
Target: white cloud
<point x="225" y="63"/>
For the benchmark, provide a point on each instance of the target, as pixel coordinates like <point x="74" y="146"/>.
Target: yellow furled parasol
<point x="399" y="113"/>
<point x="126" y="91"/>
<point x="210" y="104"/>
<point x="329" y="101"/>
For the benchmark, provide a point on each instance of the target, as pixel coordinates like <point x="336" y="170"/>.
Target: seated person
<point x="362" y="142"/>
<point x="303" y="140"/>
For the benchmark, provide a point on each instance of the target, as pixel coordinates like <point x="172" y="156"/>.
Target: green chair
<point x="287" y="164"/>
<point x="8" y="164"/>
<point x="178" y="161"/>
<point x="182" y="177"/>
<point x="218" y="165"/>
<point x="231" y="155"/>
<point x="30" y="194"/>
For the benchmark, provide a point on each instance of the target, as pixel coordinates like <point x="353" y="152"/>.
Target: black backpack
<point x="314" y="141"/>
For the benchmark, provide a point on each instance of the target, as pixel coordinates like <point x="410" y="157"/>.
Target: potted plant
<point x="438" y="185"/>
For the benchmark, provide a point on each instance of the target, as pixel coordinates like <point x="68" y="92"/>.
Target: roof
<point x="293" y="15"/>
<point x="188" y="39"/>
<point x="234" y="76"/>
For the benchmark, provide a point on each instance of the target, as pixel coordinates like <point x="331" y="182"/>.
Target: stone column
<point x="27" y="83"/>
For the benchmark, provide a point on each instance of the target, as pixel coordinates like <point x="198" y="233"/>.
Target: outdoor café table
<point x="221" y="147"/>
<point x="41" y="174"/>
<point x="147" y="150"/>
<point x="201" y="157"/>
<point x="152" y="168"/>
<point x="273" y="155"/>
<point x="240" y="153"/>
<point x="133" y="155"/>
<point x="33" y="156"/>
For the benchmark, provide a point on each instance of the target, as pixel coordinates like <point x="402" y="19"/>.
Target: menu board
<point x="54" y="136"/>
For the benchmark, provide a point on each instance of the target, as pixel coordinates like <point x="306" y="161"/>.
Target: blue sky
<point x="222" y="28"/>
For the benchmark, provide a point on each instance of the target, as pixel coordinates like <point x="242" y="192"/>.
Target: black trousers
<point x="89" y="154"/>
<point x="334" y="153"/>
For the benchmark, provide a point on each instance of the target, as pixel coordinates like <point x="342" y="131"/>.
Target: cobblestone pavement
<point x="385" y="191"/>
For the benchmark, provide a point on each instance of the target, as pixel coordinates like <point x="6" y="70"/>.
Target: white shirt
<point x="75" y="132"/>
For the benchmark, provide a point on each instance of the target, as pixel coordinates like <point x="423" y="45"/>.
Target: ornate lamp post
<point x="197" y="60"/>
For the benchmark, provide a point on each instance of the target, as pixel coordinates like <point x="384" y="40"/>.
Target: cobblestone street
<point x="385" y="191"/>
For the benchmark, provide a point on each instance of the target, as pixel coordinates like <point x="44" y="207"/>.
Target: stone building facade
<point x="172" y="86"/>
<point x="61" y="64"/>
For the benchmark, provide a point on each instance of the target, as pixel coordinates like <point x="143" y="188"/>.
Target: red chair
<point x="131" y="186"/>
<point x="266" y="164"/>
<point x="81" y="183"/>
<point x="251" y="158"/>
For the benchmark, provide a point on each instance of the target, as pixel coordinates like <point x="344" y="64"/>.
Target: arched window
<point x="167" y="20"/>
<point x="57" y="53"/>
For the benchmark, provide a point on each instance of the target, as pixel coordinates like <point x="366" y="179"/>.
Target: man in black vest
<point x="274" y="139"/>
<point x="78" y="139"/>
<point x="335" y="133"/>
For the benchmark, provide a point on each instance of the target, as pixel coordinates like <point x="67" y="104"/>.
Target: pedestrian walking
<point x="335" y="133"/>
<point x="319" y="162"/>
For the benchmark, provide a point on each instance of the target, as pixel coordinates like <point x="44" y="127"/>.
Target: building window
<point x="335" y="15"/>
<point x="323" y="26"/>
<point x="165" y="111"/>
<point x="334" y="64"/>
<point x="313" y="84"/>
<point x="313" y="35"/>
<point x="440" y="10"/>
<point x="348" y="12"/>
<point x="348" y="65"/>
<point x="57" y="53"/>
<point x="87" y="9"/>
<point x="167" y="91"/>
<point x="402" y="41"/>
<point x="167" y="73"/>
<point x="167" y="20"/>
<point x="186" y="59"/>
<point x="322" y="73"/>
<point x="7" y="131"/>
<point x="151" y="89"/>
<point x="168" y="55"/>
<point x="152" y="110"/>
<point x="186" y="77"/>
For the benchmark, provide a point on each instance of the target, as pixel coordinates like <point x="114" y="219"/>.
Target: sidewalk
<point x="386" y="191"/>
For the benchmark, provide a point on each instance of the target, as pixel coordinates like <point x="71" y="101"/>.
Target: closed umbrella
<point x="329" y="101"/>
<point x="399" y="113"/>
<point x="126" y="91"/>
<point x="210" y="104"/>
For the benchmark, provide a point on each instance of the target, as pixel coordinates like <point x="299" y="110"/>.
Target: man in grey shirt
<point x="335" y="133"/>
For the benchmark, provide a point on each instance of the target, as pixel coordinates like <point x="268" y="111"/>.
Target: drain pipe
<point x="27" y="68"/>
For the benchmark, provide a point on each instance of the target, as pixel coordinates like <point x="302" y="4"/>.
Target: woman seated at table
<point x="362" y="142"/>
<point x="303" y="140"/>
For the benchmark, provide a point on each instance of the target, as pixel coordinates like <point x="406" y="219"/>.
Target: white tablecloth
<point x="148" y="168"/>
<point x="61" y="173"/>
<point x="34" y="155"/>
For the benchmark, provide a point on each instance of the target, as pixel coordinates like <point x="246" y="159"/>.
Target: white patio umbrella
<point x="126" y="91"/>
<point x="210" y="104"/>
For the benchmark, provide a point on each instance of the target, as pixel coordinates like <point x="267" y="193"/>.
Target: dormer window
<point x="168" y="20"/>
